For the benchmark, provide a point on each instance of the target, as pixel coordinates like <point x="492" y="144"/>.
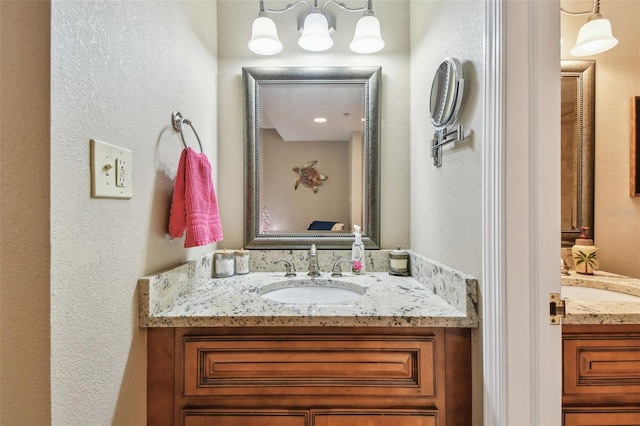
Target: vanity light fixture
<point x="320" y="120"/>
<point x="316" y="25"/>
<point x="595" y="36"/>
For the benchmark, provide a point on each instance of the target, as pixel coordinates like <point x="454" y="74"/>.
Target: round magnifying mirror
<point x="446" y="94"/>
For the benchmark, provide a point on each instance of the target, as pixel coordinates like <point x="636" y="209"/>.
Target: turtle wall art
<point x="308" y="176"/>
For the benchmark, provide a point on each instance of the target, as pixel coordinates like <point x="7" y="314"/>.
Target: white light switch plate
<point x="111" y="168"/>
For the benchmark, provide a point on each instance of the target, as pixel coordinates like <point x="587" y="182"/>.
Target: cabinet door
<point x="601" y="366"/>
<point x="244" y="418"/>
<point x="374" y="418"/>
<point x="602" y="419"/>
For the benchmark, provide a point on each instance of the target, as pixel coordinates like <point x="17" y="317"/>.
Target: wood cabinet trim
<point x="160" y="385"/>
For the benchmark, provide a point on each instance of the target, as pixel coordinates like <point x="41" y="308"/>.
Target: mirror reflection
<point x="312" y="156"/>
<point x="577" y="148"/>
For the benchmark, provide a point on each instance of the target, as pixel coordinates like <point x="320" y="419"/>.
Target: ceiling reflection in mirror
<point x="311" y="156"/>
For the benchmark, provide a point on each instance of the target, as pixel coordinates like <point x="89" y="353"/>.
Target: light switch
<point x="111" y="169"/>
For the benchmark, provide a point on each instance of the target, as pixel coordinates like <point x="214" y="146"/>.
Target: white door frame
<point x="521" y="224"/>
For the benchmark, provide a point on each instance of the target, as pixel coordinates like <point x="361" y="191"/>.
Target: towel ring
<point x="177" y="120"/>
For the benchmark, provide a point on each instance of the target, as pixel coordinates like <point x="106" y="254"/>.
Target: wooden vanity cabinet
<point x="309" y="376"/>
<point x="601" y="375"/>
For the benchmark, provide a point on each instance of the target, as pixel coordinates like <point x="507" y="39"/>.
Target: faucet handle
<point x="289" y="267"/>
<point x="335" y="270"/>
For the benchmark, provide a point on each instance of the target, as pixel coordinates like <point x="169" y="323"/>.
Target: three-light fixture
<point x="316" y="25"/>
<point x="595" y="36"/>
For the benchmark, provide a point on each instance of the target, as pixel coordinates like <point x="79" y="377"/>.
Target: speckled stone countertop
<point x="187" y="296"/>
<point x="594" y="311"/>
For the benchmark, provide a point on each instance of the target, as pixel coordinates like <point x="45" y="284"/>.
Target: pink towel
<point x="194" y="206"/>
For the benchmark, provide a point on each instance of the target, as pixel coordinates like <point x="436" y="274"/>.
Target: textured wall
<point x="235" y="17"/>
<point x="118" y="70"/>
<point x="24" y="213"/>
<point x="446" y="202"/>
<point x="617" y="215"/>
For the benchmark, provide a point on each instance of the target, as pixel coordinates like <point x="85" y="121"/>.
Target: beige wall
<point x="617" y="215"/>
<point x="118" y="70"/>
<point x="235" y="17"/>
<point x="24" y="213"/>
<point x="292" y="210"/>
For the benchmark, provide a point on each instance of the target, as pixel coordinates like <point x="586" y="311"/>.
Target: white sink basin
<point x="316" y="291"/>
<point x="597" y="294"/>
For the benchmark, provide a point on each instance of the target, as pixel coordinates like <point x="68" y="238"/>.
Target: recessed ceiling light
<point x="320" y="120"/>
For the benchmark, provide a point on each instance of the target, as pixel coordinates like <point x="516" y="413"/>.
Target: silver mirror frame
<point x="585" y="72"/>
<point x="445" y="101"/>
<point x="450" y="92"/>
<point x="252" y="78"/>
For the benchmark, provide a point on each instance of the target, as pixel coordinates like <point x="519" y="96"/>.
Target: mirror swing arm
<point x="447" y="91"/>
<point x="443" y="137"/>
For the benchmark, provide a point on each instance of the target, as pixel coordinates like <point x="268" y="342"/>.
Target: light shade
<point x="367" y="38"/>
<point x="594" y="37"/>
<point x="315" y="33"/>
<point x="264" y="37"/>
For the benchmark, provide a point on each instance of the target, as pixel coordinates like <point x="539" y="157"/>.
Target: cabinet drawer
<point x="374" y="418"/>
<point x="601" y="366"/>
<point x="307" y="366"/>
<point x="244" y="418"/>
<point x="598" y="418"/>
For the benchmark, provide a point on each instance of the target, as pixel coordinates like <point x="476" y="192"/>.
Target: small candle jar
<point x="223" y="263"/>
<point x="399" y="263"/>
<point x="242" y="262"/>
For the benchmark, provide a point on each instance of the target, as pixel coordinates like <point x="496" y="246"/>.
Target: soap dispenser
<point x="585" y="254"/>
<point x="357" y="253"/>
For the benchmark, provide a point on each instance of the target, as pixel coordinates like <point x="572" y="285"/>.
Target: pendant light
<point x="367" y="38"/>
<point x="595" y="36"/>
<point x="264" y="37"/>
<point x="315" y="32"/>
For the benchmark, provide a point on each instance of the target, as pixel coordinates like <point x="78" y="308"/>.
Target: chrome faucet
<point x="289" y="267"/>
<point x="336" y="271"/>
<point x="314" y="268"/>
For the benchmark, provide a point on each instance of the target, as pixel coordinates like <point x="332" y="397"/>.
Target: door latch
<point x="556" y="308"/>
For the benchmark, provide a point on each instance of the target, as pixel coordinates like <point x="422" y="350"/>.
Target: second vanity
<point x="601" y="349"/>
<point x="219" y="353"/>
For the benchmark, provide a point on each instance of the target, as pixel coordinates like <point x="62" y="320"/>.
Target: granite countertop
<point x="596" y="311"/>
<point x="187" y="296"/>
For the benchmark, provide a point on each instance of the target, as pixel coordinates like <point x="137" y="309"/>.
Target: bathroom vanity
<point x="601" y="350"/>
<point x="219" y="353"/>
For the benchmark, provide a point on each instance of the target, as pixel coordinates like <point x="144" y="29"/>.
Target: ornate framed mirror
<point x="311" y="145"/>
<point x="577" y="149"/>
